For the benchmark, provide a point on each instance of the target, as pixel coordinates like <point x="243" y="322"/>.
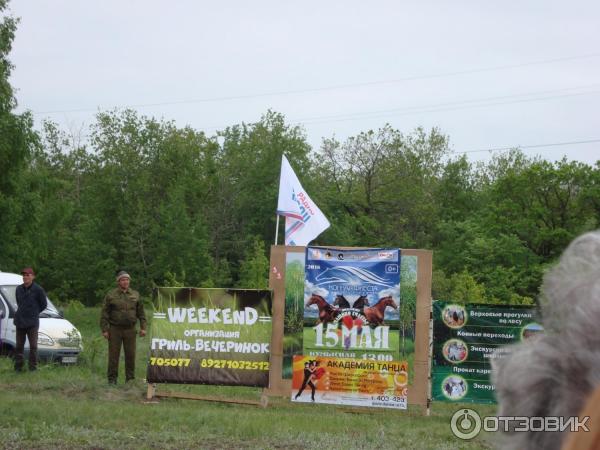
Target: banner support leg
<point x="151" y="391"/>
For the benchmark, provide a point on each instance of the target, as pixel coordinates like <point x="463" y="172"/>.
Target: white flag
<point x="304" y="221"/>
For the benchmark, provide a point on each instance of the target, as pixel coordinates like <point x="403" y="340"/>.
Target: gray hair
<point x="552" y="374"/>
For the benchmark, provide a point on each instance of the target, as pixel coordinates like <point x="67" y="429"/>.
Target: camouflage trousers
<point x="125" y="337"/>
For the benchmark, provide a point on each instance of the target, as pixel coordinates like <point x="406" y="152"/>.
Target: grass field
<point x="73" y="407"/>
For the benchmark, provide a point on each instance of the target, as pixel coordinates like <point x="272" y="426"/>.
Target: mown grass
<point x="73" y="407"/>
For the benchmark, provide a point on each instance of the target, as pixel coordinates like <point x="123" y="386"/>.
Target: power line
<point x="334" y="87"/>
<point x="552" y="144"/>
<point x="441" y="107"/>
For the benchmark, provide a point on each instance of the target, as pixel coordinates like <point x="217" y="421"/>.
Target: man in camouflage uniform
<point x="121" y="310"/>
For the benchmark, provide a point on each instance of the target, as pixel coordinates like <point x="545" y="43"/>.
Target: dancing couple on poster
<point x="312" y="373"/>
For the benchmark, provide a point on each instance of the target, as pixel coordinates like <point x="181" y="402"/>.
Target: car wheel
<point x="7" y="350"/>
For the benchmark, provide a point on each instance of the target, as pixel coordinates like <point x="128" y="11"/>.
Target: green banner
<point x="465" y="340"/>
<point x="210" y="336"/>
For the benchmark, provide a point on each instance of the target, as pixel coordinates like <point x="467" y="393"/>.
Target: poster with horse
<point x="351" y="303"/>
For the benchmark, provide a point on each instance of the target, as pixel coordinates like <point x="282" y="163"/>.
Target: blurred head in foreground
<point x="553" y="374"/>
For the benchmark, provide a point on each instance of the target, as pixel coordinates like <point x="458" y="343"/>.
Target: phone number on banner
<point x="211" y="363"/>
<point x="388" y="401"/>
<point x="233" y="364"/>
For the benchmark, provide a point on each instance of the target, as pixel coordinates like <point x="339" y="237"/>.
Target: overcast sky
<point x="488" y="74"/>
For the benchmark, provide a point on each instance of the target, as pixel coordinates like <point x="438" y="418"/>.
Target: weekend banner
<point x="351" y="303"/>
<point x="210" y="336"/>
<point x="339" y="381"/>
<point x="465" y="340"/>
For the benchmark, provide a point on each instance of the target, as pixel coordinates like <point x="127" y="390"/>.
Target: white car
<point x="58" y="339"/>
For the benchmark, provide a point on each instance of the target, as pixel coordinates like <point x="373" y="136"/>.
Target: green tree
<point x="441" y="287"/>
<point x="465" y="289"/>
<point x="540" y="202"/>
<point x="381" y="186"/>
<point x="149" y="190"/>
<point x="177" y="244"/>
<point x="244" y="198"/>
<point x="18" y="142"/>
<point x="254" y="269"/>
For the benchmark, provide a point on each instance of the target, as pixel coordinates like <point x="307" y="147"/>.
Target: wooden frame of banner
<point x="151" y="393"/>
<point x="419" y="393"/>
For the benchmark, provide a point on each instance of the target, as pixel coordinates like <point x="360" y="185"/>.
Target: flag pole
<point x="277" y="229"/>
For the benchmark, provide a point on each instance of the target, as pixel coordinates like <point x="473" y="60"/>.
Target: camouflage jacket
<point x="122" y="309"/>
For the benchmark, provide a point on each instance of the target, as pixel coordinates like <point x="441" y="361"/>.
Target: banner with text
<point x="351" y="303"/>
<point x="339" y="381"/>
<point x="210" y="336"/>
<point x="466" y="338"/>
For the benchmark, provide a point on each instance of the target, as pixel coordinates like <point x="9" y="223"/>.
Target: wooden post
<point x="150" y="393"/>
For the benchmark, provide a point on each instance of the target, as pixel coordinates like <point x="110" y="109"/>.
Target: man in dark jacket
<point x="121" y="310"/>
<point x="31" y="301"/>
